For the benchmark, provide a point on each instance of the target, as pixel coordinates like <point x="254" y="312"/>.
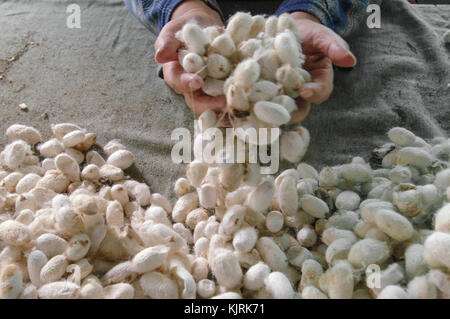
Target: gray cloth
<point x="102" y="77"/>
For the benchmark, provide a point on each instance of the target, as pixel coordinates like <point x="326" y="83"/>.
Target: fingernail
<point x="157" y="53"/>
<point x="306" y="93"/>
<point x="160" y="51"/>
<point x="347" y="48"/>
<point x="353" y="57"/>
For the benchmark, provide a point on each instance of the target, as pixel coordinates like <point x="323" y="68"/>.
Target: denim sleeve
<point x="342" y="16"/>
<point x="154" y="14"/>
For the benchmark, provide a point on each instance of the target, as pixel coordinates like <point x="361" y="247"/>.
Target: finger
<point x="172" y="72"/>
<point x="225" y="120"/>
<point x="301" y="112"/>
<point x="319" y="90"/>
<point x="180" y="81"/>
<point x="315" y="92"/>
<point x="341" y="56"/>
<point x="334" y="47"/>
<point x="166" y="44"/>
<point x="199" y="102"/>
<point x="190" y="82"/>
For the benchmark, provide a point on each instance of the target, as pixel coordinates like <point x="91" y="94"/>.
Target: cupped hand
<point x="166" y="48"/>
<point x="322" y="48"/>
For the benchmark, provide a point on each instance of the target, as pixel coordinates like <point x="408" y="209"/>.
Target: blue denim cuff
<point x="316" y="8"/>
<point x="167" y="8"/>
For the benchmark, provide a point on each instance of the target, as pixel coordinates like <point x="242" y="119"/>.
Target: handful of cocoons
<point x="74" y="225"/>
<point x="256" y="62"/>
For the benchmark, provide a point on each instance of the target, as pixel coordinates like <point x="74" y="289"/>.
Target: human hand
<point x="323" y="48"/>
<point x="166" y="48"/>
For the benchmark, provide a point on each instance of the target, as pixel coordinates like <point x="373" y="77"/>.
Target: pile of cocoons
<point x="256" y="62"/>
<point x="74" y="225"/>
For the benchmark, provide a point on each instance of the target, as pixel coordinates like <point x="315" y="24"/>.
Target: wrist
<point x="193" y="7"/>
<point x="300" y="15"/>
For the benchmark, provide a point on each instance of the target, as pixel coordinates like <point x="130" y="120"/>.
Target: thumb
<point x="341" y="56"/>
<point x="166" y="45"/>
<point x="334" y="47"/>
